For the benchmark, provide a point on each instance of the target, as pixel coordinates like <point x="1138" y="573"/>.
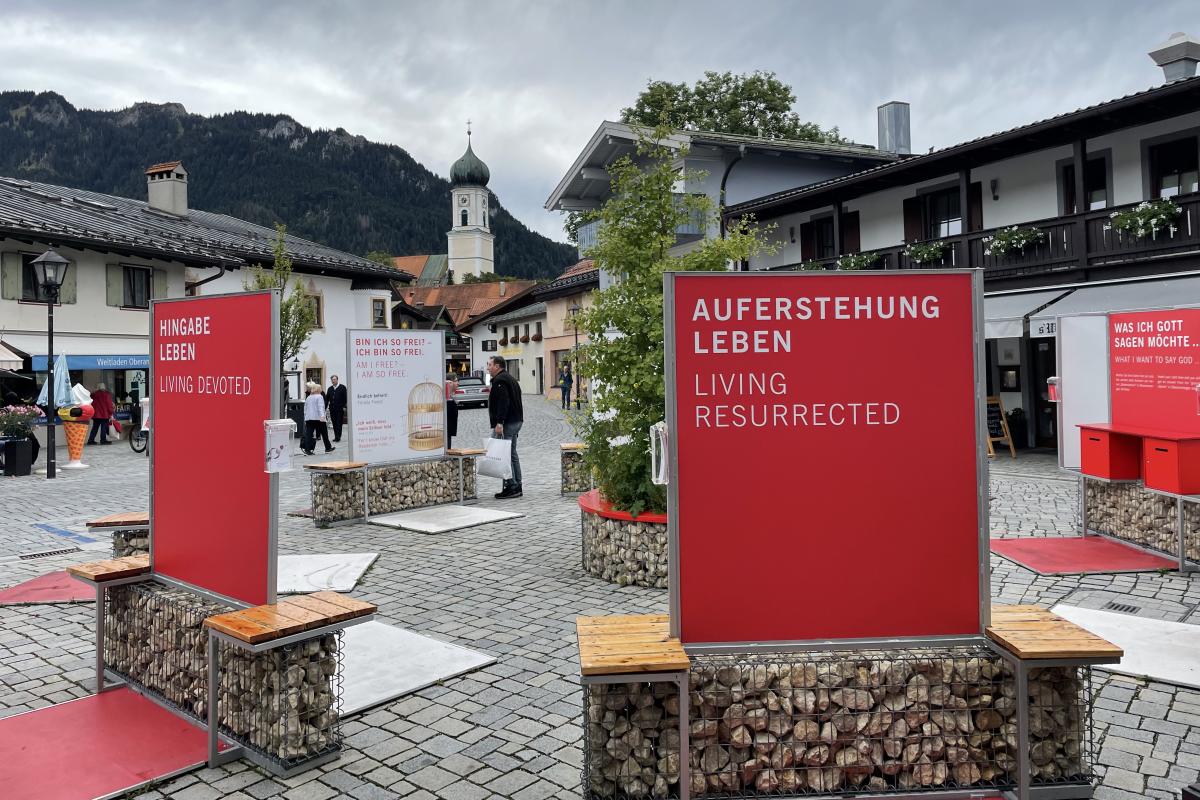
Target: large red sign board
<point x="1154" y="363"/>
<point x="826" y="434"/>
<point x="212" y="377"/>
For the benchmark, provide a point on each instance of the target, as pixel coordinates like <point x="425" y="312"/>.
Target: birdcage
<point x="426" y="416"/>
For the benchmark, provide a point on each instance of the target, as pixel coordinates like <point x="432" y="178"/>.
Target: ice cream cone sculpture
<point x="75" y="423"/>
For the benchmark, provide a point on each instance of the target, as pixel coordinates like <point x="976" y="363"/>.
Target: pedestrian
<point x="564" y="382"/>
<point x="451" y="407"/>
<point x="314" y="421"/>
<point x="337" y="406"/>
<point x="505" y="416"/>
<point x="102" y="405"/>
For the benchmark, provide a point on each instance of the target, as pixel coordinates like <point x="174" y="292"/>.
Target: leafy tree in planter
<point x="623" y="358"/>
<point x="297" y="317"/>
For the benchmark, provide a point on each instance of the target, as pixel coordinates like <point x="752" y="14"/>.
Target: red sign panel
<point x="212" y="373"/>
<point x="826" y="440"/>
<point x="1154" y="365"/>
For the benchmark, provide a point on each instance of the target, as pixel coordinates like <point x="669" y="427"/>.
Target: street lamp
<point x="575" y="309"/>
<point x="50" y="269"/>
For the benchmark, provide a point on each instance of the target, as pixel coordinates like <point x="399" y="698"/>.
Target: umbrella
<point x="62" y="385"/>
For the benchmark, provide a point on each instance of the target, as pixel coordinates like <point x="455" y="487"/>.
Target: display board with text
<point x="825" y="435"/>
<point x="396" y="394"/>
<point x="214" y="381"/>
<point x="1154" y="363"/>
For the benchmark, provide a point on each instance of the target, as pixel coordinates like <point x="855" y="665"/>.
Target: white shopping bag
<point x="497" y="461"/>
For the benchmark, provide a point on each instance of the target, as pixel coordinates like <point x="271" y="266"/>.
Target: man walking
<point x="505" y="416"/>
<point x="336" y="397"/>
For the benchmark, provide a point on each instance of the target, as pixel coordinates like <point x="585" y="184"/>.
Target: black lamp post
<point x="575" y="309"/>
<point x="50" y="268"/>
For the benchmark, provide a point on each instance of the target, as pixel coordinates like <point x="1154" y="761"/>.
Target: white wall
<point x="1027" y="187"/>
<point x="1127" y="154"/>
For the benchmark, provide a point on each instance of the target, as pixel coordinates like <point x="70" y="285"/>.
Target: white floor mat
<point x="338" y="572"/>
<point x="381" y="662"/>
<point x="1164" y="651"/>
<point x="442" y="519"/>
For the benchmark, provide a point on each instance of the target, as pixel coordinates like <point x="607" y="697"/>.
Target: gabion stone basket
<point x="426" y="416"/>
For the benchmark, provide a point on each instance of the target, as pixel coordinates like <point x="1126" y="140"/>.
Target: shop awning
<point x="85" y="352"/>
<point x="10" y="359"/>
<point x="1104" y="297"/>
<point x="1004" y="314"/>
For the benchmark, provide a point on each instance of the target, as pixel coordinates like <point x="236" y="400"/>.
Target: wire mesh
<point x="1130" y="512"/>
<point x="1060" y="745"/>
<point x="130" y="542"/>
<point x="852" y="722"/>
<point x="284" y="703"/>
<point x="154" y="638"/>
<point x="337" y="496"/>
<point x="631" y="740"/>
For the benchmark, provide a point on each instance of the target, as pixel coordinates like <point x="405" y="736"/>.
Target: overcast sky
<point x="537" y="78"/>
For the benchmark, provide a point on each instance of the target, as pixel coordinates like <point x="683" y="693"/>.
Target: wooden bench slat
<point x="328" y="610"/>
<point x="465" y="451"/>
<point x="356" y="608"/>
<point x="239" y="627"/>
<point x="628" y="644"/>
<point x="571" y="446"/>
<point x="1033" y="633"/>
<point x="118" y="520"/>
<point x="336" y="466"/>
<point x="111" y="569"/>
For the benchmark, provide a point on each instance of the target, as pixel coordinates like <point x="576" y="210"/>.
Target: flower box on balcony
<point x="926" y="252"/>
<point x="537" y="337"/>
<point x="1014" y="239"/>
<point x="857" y="261"/>
<point x="524" y="340"/>
<point x="1146" y="219"/>
<point x="504" y="342"/>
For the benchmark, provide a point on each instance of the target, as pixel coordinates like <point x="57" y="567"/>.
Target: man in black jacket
<point x="505" y="417"/>
<point x="335" y="402"/>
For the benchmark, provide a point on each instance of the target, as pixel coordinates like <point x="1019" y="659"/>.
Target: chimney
<point x="166" y="188"/>
<point x="502" y="288"/>
<point x="1177" y="56"/>
<point x="894" y="136"/>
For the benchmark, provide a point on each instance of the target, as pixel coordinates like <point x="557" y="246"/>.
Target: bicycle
<point x="139" y="439"/>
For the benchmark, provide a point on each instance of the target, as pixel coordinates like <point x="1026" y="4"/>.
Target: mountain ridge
<point x="331" y="186"/>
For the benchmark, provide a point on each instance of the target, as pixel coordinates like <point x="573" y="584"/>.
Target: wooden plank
<point x="621" y="665"/>
<point x="573" y="446"/>
<point x="270" y="617"/>
<point x="111" y="569"/>
<point x="235" y="625"/>
<point x="118" y="520"/>
<point x="331" y="612"/>
<point x="1036" y="633"/>
<point x="336" y="466"/>
<point x="458" y="452"/>
<point x="617" y="621"/>
<point x="356" y="608"/>
<point x="628" y="644"/>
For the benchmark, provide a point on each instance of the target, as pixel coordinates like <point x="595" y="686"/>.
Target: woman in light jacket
<point x="314" y="421"/>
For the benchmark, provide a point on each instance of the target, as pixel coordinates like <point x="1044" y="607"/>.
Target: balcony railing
<point x="1075" y="241"/>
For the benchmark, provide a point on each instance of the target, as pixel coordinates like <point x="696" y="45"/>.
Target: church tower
<point x="469" y="240"/>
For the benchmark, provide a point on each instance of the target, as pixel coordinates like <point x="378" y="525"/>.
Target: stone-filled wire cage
<point x="631" y="740"/>
<point x="426" y="416"/>
<point x="155" y="639"/>
<point x="1130" y="512"/>
<point x="863" y="722"/>
<point x="283" y="703"/>
<point x="1060" y="730"/>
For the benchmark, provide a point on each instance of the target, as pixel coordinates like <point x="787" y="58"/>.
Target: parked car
<point x="471" y="392"/>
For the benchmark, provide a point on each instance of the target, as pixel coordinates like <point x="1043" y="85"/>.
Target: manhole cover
<point x="48" y="553"/>
<point x="1124" y="608"/>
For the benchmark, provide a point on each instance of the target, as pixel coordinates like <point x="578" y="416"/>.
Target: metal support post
<point x="1083" y="517"/>
<point x="366" y="495"/>
<point x="99" y="638"/>
<point x="216" y="757"/>
<point x="1024" y="767"/>
<point x="685" y="746"/>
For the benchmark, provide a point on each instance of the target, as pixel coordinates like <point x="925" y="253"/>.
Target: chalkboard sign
<point x="997" y="424"/>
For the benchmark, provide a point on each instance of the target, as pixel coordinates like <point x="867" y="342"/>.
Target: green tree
<point x="755" y="104"/>
<point x="297" y="315"/>
<point x="380" y="257"/>
<point x="623" y="359"/>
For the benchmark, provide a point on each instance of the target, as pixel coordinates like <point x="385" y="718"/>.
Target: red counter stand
<point x="1108" y="454"/>
<point x="1172" y="465"/>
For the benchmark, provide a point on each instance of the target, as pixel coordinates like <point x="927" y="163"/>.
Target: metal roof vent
<point x="1178" y="56"/>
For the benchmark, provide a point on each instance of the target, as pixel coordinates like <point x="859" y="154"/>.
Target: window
<point x="943" y="214"/>
<point x="315" y="301"/>
<point x="527" y="329"/>
<point x="823" y="233"/>
<point x="31" y="290"/>
<point x="1095" y="185"/>
<point x="464" y="217"/>
<point x="1173" y="168"/>
<point x="379" y="313"/>
<point x="538" y="329"/>
<point x="136" y="291"/>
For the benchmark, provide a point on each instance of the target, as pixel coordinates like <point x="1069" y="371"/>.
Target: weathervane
<point x="468" y="129"/>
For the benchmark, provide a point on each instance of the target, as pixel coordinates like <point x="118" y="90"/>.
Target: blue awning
<point x="96" y="362"/>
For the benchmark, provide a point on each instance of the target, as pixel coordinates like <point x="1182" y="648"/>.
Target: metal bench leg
<point x="215" y="757"/>
<point x="1023" y="759"/>
<point x="100" y="638"/>
<point x="685" y="760"/>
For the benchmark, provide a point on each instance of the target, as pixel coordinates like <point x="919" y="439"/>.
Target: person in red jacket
<point x="102" y="403"/>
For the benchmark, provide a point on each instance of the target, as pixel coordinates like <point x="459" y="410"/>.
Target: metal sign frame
<point x="273" y="478"/>
<point x="441" y="345"/>
<point x="981" y="470"/>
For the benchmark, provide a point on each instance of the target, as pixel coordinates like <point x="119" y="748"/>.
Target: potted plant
<point x="504" y="341"/>
<point x="16" y="428"/>
<point x="537" y="337"/>
<point x="925" y="252"/>
<point x="1013" y="239"/>
<point x="857" y="261"/>
<point x="1145" y="219"/>
<point x="811" y="266"/>
<point x="525" y="339"/>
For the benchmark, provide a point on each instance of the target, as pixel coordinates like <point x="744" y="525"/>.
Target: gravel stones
<point x="338" y="496"/>
<point x="625" y="552"/>
<point x="576" y="477"/>
<point x="130" y="542"/>
<point x="632" y="747"/>
<point x="1128" y="511"/>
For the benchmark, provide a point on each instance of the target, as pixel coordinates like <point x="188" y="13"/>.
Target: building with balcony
<point x="1064" y="178"/>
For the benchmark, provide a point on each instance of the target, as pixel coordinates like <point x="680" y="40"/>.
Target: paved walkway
<point x="511" y="730"/>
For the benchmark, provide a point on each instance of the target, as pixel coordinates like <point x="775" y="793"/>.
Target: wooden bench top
<point x="619" y="645"/>
<point x="1032" y="632"/>
<point x="121" y="520"/>
<point x="111" y="570"/>
<point x="573" y="446"/>
<point x="336" y="466"/>
<point x="288" y="616"/>
<point x="459" y="452"/>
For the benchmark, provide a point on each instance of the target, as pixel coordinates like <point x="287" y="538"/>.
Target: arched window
<point x="464" y="218"/>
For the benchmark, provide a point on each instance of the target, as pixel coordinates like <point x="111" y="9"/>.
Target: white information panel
<point x="1082" y="380"/>
<point x="396" y="394"/>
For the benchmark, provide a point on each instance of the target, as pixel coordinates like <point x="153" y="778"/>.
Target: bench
<point x="102" y="575"/>
<point x="130" y="532"/>
<point x="623" y="645"/>
<point x="288" y="617"/>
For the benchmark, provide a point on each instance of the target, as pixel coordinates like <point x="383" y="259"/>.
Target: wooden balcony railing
<point x="1075" y="241"/>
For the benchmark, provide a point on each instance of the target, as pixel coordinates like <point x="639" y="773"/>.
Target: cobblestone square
<point x="513" y="589"/>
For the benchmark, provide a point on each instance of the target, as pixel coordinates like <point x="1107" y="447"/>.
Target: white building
<point x="469" y="242"/>
<point x="124" y="253"/>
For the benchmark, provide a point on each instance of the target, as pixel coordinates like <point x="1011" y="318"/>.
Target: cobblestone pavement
<point x="513" y="589"/>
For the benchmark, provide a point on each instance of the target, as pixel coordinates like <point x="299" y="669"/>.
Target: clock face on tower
<point x="462" y="200"/>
